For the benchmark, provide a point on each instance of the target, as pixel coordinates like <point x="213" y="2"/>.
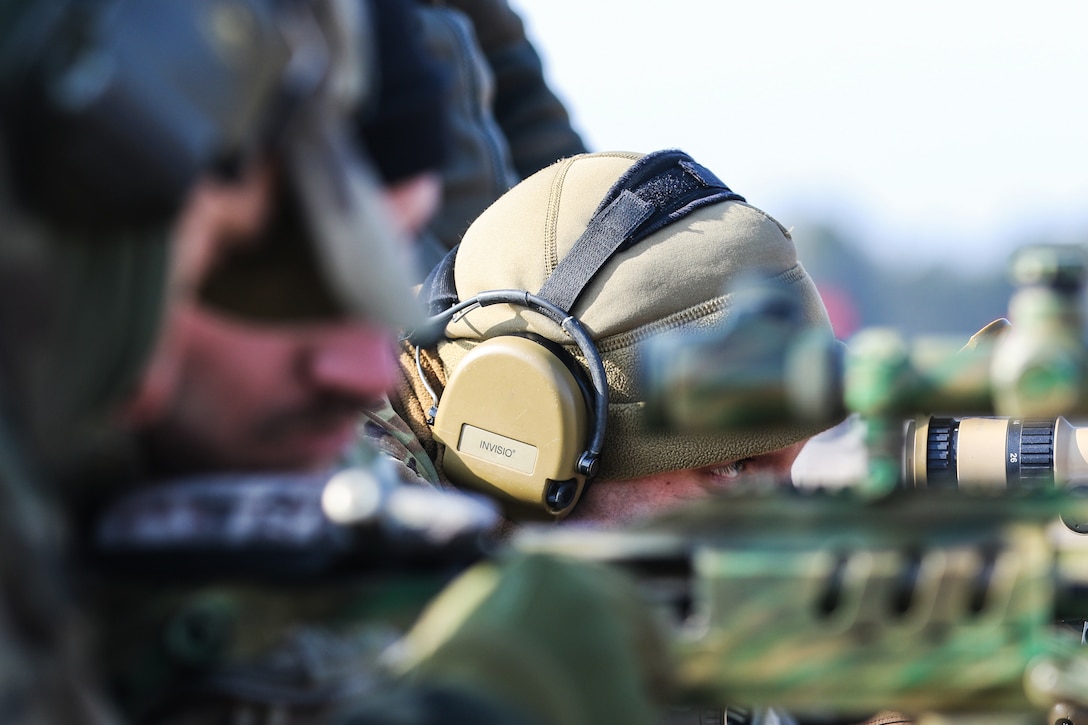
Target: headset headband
<point x="658" y="189"/>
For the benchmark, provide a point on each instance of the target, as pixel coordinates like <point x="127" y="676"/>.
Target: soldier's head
<point x="287" y="327"/>
<point x="630" y="246"/>
<point x="263" y="364"/>
<point x="230" y="133"/>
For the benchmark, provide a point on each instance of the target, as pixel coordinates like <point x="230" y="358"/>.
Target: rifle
<point x="940" y="601"/>
<point x="921" y="602"/>
<point x="927" y="587"/>
<point x="938" y="598"/>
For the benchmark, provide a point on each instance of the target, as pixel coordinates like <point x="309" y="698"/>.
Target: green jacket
<point x="77" y="317"/>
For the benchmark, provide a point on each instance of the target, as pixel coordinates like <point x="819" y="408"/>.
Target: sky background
<point x="931" y="131"/>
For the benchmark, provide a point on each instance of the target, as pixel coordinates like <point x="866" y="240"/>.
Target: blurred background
<point x="910" y="147"/>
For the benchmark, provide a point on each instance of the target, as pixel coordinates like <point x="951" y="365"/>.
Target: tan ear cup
<point x="514" y="422"/>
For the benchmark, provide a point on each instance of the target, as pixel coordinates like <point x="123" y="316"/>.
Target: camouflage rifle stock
<point x="939" y="602"/>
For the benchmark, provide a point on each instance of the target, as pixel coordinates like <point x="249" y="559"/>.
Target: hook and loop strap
<point x="657" y="190"/>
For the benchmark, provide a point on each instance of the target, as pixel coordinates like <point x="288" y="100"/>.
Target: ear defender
<point x="517" y="418"/>
<point x="513" y="418"/>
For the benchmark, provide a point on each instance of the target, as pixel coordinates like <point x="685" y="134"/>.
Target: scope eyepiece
<point x="978" y="451"/>
<point x="988" y="452"/>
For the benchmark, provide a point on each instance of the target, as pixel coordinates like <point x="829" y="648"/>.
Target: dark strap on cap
<point x="439" y="289"/>
<point x="657" y="190"/>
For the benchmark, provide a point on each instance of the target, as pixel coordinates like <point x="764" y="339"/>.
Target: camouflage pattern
<point x="1040" y="368"/>
<point x="43" y="676"/>
<point x="566" y="639"/>
<point x="241" y="596"/>
<point x="923" y="602"/>
<point x="390" y="434"/>
<point x="61" y="299"/>
<point x="213" y="653"/>
<point x="231" y="613"/>
<point x="398" y="426"/>
<point x="386" y="431"/>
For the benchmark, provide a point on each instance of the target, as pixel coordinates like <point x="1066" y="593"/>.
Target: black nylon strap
<point x="600" y="240"/>
<point x="439" y="288"/>
<point x="657" y="190"/>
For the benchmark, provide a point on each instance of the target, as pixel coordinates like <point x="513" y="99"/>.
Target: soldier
<point x="269" y="278"/>
<point x="630" y="245"/>
<point x="505" y="123"/>
<point x="101" y="144"/>
<point x="286" y="331"/>
<point x="665" y="272"/>
<point x="193" y="645"/>
<point x="66" y="294"/>
<point x="44" y="672"/>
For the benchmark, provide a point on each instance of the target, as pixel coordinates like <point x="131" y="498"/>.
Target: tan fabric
<point x="411" y="400"/>
<point x="889" y="718"/>
<point x="673" y="279"/>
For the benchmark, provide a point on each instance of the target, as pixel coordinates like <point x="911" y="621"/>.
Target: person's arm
<point x="536" y="123"/>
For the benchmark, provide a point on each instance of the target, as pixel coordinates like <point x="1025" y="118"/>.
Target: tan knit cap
<point x="672" y="279"/>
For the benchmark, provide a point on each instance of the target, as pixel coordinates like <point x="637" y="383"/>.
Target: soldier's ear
<point x="161" y="376"/>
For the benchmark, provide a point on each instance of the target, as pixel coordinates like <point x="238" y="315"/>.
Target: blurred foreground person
<point x="115" y="114"/>
<point x="283" y="331"/>
<point x="44" y="676"/>
<point x="84" y="259"/>
<point x="261" y="298"/>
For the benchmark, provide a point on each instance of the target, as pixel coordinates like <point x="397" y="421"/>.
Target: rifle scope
<point x="991" y="452"/>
